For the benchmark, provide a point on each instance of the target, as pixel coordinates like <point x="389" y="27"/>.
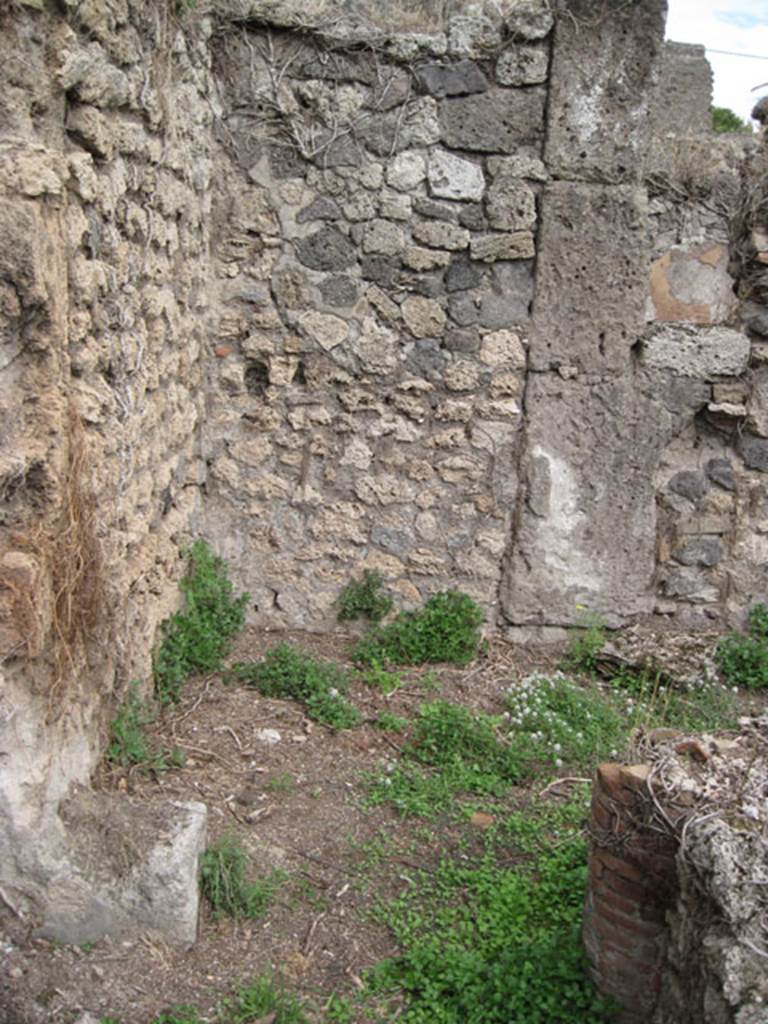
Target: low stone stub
<point x="126" y="869"/>
<point x="697" y="352"/>
<point x="589" y="306"/>
<point x="602" y="85"/>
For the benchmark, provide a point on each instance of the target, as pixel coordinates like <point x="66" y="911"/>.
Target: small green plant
<point x="382" y="679"/>
<point x="447" y="628"/>
<point x="339" y="1010"/>
<point x="263" y="999"/>
<point x="586" y="643"/>
<point x="743" y="659"/>
<point x="223" y="881"/>
<point x="725" y="120"/>
<point x="182" y="1014"/>
<point x="485" y="942"/>
<point x="197" y="638"/>
<point x="129" y="745"/>
<point x="451" y="752"/>
<point x="389" y="722"/>
<point x="556" y="721"/>
<point x="319" y="686"/>
<point x="283" y="782"/>
<point x="362" y="599"/>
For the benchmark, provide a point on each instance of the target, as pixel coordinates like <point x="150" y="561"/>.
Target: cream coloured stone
<point x="518" y="245"/>
<point x="452" y="177"/>
<point x="462" y="376"/>
<point x="424" y="318"/>
<point x="407" y="170"/>
<point x="502" y="348"/>
<point x="383" y="238"/>
<point x="418" y="258"/>
<point x="439" y="235"/>
<point x="376" y="347"/>
<point x="324" y="328"/>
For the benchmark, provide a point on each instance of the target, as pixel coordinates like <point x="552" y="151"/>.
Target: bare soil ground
<point x="296" y="805"/>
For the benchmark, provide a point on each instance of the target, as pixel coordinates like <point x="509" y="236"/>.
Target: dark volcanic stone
<point x="426" y="359"/>
<point x="754" y="452"/>
<point x="461" y="78"/>
<point x="720" y="472"/>
<point x="428" y="285"/>
<point x="322" y="208"/>
<point x="436" y="211"/>
<point x="464" y="309"/>
<point x="286" y="162"/>
<point x="688" y="484"/>
<point x="462" y="274"/>
<point x="499" y="122"/>
<point x="327" y="249"/>
<point x="704" y="551"/>
<point x="759" y="324"/>
<point x="462" y="340"/>
<point x="472" y="217"/>
<point x="382" y="270"/>
<point x="339" y="291"/>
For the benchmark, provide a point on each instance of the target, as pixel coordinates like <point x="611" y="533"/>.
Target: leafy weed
<point x="224" y="884"/>
<point x="362" y="599"/>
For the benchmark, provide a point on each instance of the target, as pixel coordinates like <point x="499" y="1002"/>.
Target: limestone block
<point x="462" y="375"/>
<point x="521" y="165"/>
<point x="324" y="328"/>
<point x="92" y="129"/>
<point x="459" y="78"/>
<point x="600" y="97"/>
<point x="451" y="177"/>
<point x="511" y="204"/>
<point x="88" y="72"/>
<point x="529" y="21"/>
<point x="516" y="245"/>
<point x="497" y="122"/>
<point x="691" y="585"/>
<point x="472" y="35"/>
<point x="129" y="869"/>
<point x="383" y="237"/>
<point x="441" y="236"/>
<point x="420" y="259"/>
<point x="704" y="352"/>
<point x="503" y="348"/>
<point x="395" y="206"/>
<point x="424" y="318"/>
<point x="522" y="65"/>
<point x="590" y="276"/>
<point x="376" y="348"/>
<point x="406" y="171"/>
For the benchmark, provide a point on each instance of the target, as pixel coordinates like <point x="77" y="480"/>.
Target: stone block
<point x="383" y="238"/>
<point x="515" y="245"/>
<point x="754" y="452"/>
<point x="720" y="472"/>
<point x="578" y="543"/>
<point x="424" y="318"/>
<point x="459" y="78"/>
<point x="704" y="352"/>
<point x="451" y="177"/>
<point x="339" y="291"/>
<point x="529" y="21"/>
<point x="128" y="869"/>
<point x="704" y="551"/>
<point x="441" y="236"/>
<point x="472" y="35"/>
<point x="326" y="250"/>
<point x="600" y="96"/>
<point x="591" y="271"/>
<point x="690" y="585"/>
<point x="498" y="122"/>
<point x="462" y="274"/>
<point x="522" y="65"/>
<point x="510" y="204"/>
<point x="688" y="484"/>
<point x="406" y="171"/>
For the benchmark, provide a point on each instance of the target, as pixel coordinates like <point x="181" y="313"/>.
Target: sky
<point x="737" y="25"/>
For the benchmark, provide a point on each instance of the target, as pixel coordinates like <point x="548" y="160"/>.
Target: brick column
<point x="632" y="883"/>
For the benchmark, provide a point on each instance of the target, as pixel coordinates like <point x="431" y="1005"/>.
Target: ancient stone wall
<point x="105" y="163"/>
<point x="344" y="286"/>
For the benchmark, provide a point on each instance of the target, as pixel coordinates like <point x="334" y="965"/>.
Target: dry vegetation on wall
<point x="61" y="604"/>
<point x="750" y="229"/>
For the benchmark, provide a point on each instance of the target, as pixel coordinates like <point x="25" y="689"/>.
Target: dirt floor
<point x="297" y="806"/>
<point x="292" y="793"/>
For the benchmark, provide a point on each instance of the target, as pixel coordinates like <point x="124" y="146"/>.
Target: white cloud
<point x="737" y="25"/>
